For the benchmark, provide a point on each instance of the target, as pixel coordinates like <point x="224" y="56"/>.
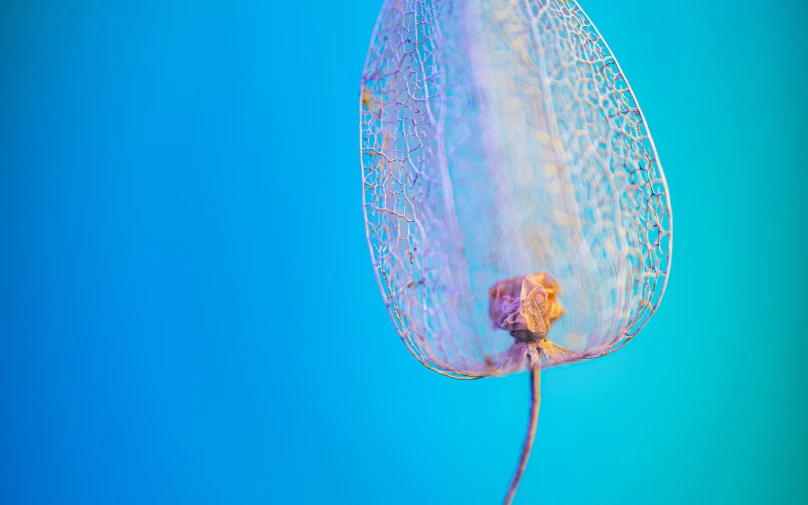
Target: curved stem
<point x="535" y="401"/>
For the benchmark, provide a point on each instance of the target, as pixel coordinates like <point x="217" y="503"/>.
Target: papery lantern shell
<point x="499" y="139"/>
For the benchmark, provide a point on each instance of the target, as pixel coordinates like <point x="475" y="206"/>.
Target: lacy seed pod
<point x="517" y="214"/>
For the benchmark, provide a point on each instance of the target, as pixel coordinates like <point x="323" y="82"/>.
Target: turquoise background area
<point x="188" y="313"/>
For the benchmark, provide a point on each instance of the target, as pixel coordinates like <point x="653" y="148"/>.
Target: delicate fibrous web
<point x="499" y="138"/>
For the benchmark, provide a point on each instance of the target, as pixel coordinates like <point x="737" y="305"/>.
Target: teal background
<point x="187" y="308"/>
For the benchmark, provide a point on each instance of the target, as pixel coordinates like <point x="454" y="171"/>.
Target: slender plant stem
<point x="535" y="401"/>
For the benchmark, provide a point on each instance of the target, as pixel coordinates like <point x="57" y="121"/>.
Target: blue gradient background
<point x="187" y="308"/>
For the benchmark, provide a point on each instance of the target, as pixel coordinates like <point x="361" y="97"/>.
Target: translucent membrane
<point x="500" y="140"/>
